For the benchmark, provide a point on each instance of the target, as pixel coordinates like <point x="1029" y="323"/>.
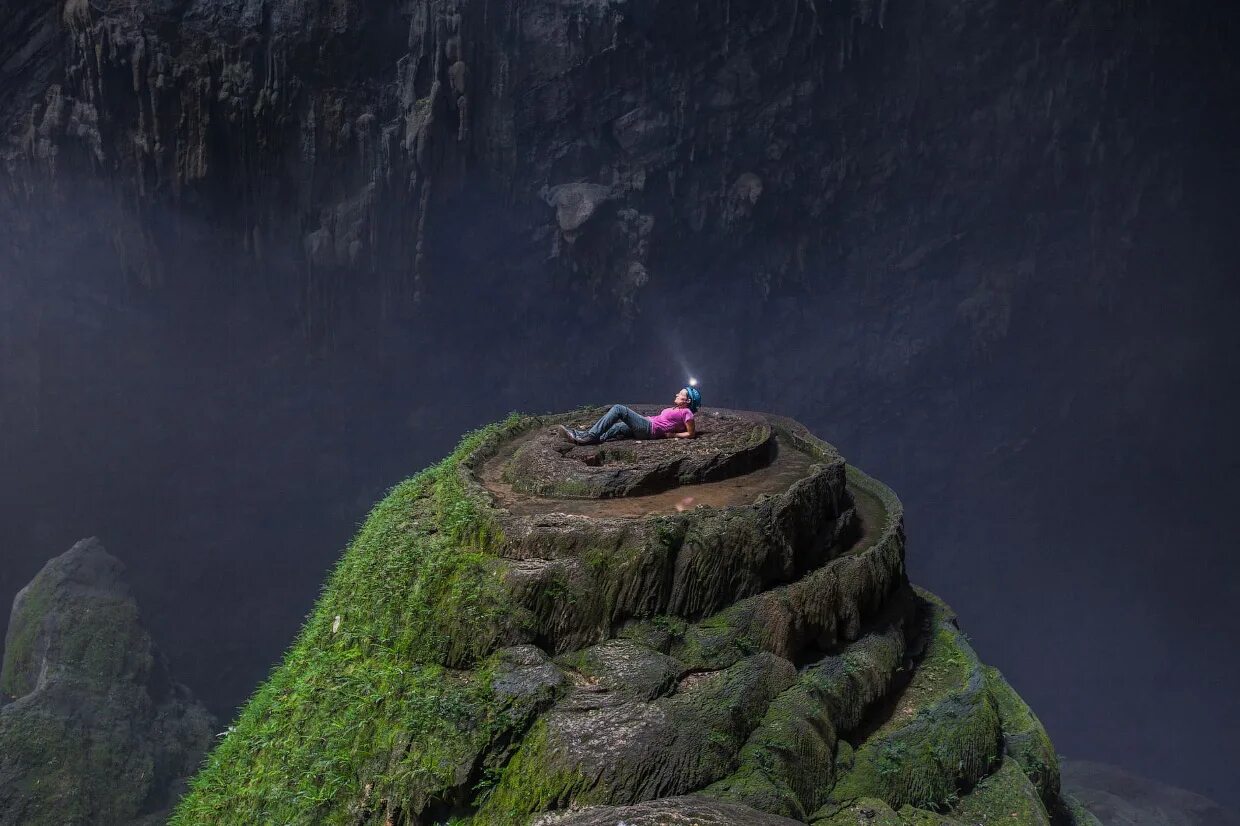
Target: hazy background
<point x="1070" y="487"/>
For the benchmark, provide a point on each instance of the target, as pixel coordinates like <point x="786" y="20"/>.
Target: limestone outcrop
<point x="535" y="632"/>
<point x="97" y="732"/>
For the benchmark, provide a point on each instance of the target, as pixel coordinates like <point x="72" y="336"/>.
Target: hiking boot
<point x="577" y="437"/>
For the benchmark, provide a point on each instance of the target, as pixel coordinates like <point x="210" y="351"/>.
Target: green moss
<point x="941" y="734"/>
<point x="529" y="784"/>
<point x="867" y="811"/>
<point x="1005" y="797"/>
<point x="71" y="772"/>
<point x="19" y="672"/>
<point x="912" y="816"/>
<point x="566" y="488"/>
<point x="607" y="755"/>
<point x="1024" y="738"/>
<point x="99" y="640"/>
<point x="789" y="762"/>
<point x="1074" y="813"/>
<point x="365" y="716"/>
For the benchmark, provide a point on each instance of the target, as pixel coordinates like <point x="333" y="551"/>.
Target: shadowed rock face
<point x="98" y="732"/>
<point x="481" y="654"/>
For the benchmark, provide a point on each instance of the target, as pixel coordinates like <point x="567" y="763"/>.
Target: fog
<point x="1069" y="479"/>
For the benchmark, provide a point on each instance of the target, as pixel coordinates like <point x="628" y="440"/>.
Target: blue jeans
<point x="621" y="423"/>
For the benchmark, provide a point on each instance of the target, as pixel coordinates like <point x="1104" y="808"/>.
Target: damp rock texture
<point x="96" y="730"/>
<point x="548" y="465"/>
<point x="739" y="647"/>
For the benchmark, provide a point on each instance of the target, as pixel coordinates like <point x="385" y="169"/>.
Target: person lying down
<point x="621" y="422"/>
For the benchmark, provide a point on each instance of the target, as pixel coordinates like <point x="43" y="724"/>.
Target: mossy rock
<point x="1074" y="813"/>
<point x="604" y="748"/>
<point x="1004" y="797"/>
<point x="865" y="811"/>
<point x="485" y="656"/>
<point x="939" y="735"/>
<point x="818" y="612"/>
<point x="788" y="764"/>
<point x="1024" y="738"/>
<point x="625" y="667"/>
<point x="99" y="731"/>
<point x="690" y="810"/>
<point x="76" y="618"/>
<point x="913" y="816"/>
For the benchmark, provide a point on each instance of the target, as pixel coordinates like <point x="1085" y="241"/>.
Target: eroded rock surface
<point x="98" y="732"/>
<point x="505" y="655"/>
<point x="728" y="444"/>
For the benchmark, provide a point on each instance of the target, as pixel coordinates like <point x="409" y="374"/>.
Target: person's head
<point x="689" y="397"/>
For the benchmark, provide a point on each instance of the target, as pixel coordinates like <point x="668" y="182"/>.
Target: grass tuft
<point x="368" y="717"/>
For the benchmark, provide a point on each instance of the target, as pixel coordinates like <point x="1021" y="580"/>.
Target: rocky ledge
<point x="716" y="630"/>
<point x="727" y="444"/>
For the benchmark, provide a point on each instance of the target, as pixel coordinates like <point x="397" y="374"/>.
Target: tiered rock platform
<point x="716" y="630"/>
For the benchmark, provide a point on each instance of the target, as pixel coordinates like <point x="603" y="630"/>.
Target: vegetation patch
<point x="366" y="718"/>
<point x="19" y="673"/>
<point x="1024" y="738"/>
<point x="788" y="764"/>
<point x="866" y="811"/>
<point x="940" y="735"/>
<point x="399" y="702"/>
<point x="1005" y="797"/>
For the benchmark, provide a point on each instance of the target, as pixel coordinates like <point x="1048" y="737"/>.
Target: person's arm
<point x="688" y="434"/>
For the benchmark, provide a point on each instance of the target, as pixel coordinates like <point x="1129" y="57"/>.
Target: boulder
<point x="98" y="732"/>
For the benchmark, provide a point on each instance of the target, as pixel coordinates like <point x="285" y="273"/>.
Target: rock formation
<point x="714" y="631"/>
<point x="1119" y="798"/>
<point x="97" y="731"/>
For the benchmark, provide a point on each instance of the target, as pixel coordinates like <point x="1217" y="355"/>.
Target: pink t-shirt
<point x="671" y="420"/>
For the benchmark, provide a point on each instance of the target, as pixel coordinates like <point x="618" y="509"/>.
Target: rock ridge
<point x="481" y="656"/>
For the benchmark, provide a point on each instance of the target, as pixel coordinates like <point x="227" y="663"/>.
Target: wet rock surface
<point x="690" y="810"/>
<point x="727" y="444"/>
<point x="98" y="732"/>
<point x="583" y="575"/>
